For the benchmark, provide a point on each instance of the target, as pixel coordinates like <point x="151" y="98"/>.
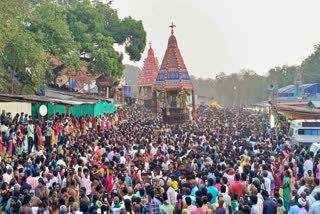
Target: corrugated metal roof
<point x="57" y="94"/>
<point x="36" y="99"/>
<point x="263" y="104"/>
<point x="289" y="90"/>
<point x="316" y="104"/>
<point x="298" y="109"/>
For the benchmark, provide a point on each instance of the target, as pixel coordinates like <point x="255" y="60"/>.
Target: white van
<point x="304" y="132"/>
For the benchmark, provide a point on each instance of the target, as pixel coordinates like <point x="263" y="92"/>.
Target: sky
<point x="229" y="35"/>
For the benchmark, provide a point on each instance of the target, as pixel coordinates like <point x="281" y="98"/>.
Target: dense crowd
<point x="225" y="162"/>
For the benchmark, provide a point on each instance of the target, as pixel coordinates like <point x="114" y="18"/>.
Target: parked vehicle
<point x="304" y="132"/>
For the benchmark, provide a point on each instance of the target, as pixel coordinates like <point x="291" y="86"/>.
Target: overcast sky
<point x="228" y="35"/>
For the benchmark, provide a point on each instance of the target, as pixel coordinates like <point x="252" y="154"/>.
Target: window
<point x="301" y="131"/>
<point x="310" y="124"/>
<point x="308" y="131"/>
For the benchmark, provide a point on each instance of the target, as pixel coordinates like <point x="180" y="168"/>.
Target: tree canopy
<point x="246" y="87"/>
<point x="34" y="31"/>
<point x="97" y="29"/>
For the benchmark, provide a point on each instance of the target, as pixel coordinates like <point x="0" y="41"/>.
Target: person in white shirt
<point x="117" y="205"/>
<point x="314" y="209"/>
<point x="308" y="165"/>
<point x="302" y="186"/>
<point x="226" y="199"/>
<point x="85" y="181"/>
<point x="254" y="201"/>
<point x="54" y="179"/>
<point x="122" y="159"/>
<point x="61" y="162"/>
<point x="310" y="199"/>
<point x="7" y="177"/>
<point x="171" y="193"/>
<point x="76" y="210"/>
<point x="267" y="182"/>
<point x="260" y="199"/>
<point x="129" y="193"/>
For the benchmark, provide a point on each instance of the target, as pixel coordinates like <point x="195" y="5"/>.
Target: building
<point x="81" y="81"/>
<point x="104" y="85"/>
<point x="147" y="77"/>
<point x="311" y="91"/>
<point x="295" y="101"/>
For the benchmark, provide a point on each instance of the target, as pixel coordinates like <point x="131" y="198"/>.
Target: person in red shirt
<point x="102" y="123"/>
<point x="1" y="144"/>
<point x="57" y="130"/>
<point x="99" y="152"/>
<point x="90" y="122"/>
<point x="110" y="180"/>
<point x="237" y="186"/>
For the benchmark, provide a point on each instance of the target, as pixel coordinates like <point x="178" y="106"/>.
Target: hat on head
<point x="302" y="202"/>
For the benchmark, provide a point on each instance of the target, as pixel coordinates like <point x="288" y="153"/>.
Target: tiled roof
<point x="298" y="109"/>
<point x="54" y="62"/>
<point x="85" y="78"/>
<point x="83" y="70"/>
<point x="81" y="76"/>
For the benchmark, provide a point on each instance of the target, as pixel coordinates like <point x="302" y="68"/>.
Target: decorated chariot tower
<point x="147" y="78"/>
<point x="173" y="90"/>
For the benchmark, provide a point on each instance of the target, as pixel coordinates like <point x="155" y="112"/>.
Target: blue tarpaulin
<point x="127" y="91"/>
<point x="72" y="84"/>
<point x="309" y="89"/>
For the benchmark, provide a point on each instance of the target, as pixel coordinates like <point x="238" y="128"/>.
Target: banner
<point x="127" y="91"/>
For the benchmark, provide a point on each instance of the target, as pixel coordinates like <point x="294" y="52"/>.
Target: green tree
<point x="19" y="50"/>
<point x="23" y="52"/>
<point x="310" y="67"/>
<point x="33" y="31"/>
<point x="98" y="28"/>
<point x="105" y="58"/>
<point x="131" y="33"/>
<point x="48" y="22"/>
<point x="284" y="75"/>
<point x="12" y="15"/>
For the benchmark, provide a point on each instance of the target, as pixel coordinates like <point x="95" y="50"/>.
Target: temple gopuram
<point x="173" y="87"/>
<point x="147" y="77"/>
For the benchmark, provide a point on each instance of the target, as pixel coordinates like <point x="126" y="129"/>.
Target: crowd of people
<point x="227" y="161"/>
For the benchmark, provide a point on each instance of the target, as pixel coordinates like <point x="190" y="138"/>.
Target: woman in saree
<point x="53" y="139"/>
<point x="10" y="143"/>
<point x="286" y="189"/>
<point x="37" y="136"/>
<point x="1" y="144"/>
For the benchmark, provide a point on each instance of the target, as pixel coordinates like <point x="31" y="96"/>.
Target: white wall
<point x="15" y="107"/>
<point x="89" y="88"/>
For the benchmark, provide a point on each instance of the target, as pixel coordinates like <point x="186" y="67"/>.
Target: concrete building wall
<point x="16" y="107"/>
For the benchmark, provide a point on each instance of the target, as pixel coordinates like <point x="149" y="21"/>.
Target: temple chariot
<point x="173" y="93"/>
